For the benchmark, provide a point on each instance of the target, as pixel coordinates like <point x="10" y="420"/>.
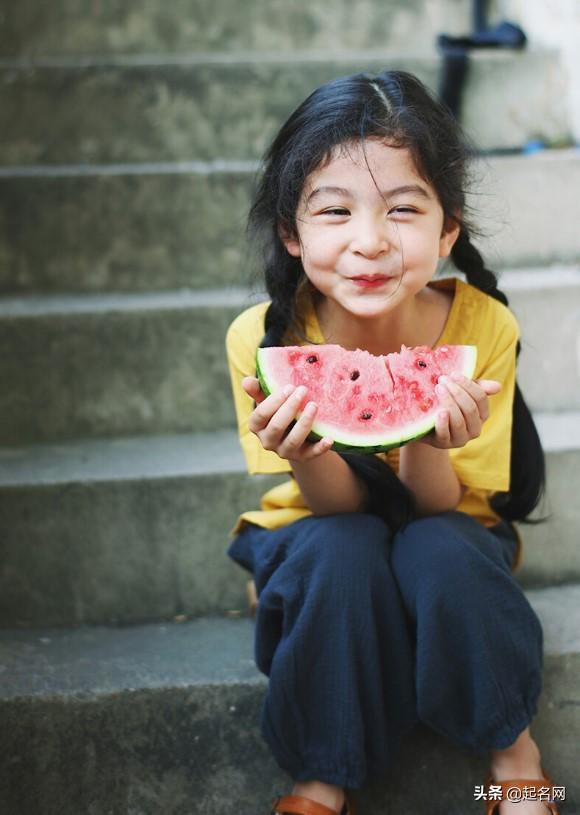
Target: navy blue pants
<point x="363" y="634"/>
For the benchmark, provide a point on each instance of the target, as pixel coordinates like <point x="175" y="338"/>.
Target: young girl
<point x="385" y="585"/>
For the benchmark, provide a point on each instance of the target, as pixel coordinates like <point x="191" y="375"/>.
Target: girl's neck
<point x="418" y="321"/>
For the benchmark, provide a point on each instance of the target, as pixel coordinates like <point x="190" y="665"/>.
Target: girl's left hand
<point x="464" y="408"/>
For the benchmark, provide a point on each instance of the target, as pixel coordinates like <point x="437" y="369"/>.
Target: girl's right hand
<point x="273" y="416"/>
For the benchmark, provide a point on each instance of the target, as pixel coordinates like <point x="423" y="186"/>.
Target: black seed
<point x="366" y="414"/>
<point x="312" y="358"/>
<point x="355" y="375"/>
<point x="421" y="363"/>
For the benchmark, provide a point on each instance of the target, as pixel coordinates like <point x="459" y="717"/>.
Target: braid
<point x="275" y="324"/>
<point x="527" y="465"/>
<point x="469" y="261"/>
<point x="283" y="286"/>
<point x="283" y="273"/>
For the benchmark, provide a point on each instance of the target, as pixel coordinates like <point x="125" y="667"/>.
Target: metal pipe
<point x="479" y="15"/>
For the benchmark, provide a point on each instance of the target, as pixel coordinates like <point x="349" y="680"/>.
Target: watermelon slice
<point x="366" y="403"/>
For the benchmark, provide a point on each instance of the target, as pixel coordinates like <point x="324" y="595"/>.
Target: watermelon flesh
<point x="366" y="403"/>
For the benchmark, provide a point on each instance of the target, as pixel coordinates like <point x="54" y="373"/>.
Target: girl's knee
<point x="349" y="531"/>
<point x="343" y="542"/>
<point x="430" y="545"/>
<point x="361" y="526"/>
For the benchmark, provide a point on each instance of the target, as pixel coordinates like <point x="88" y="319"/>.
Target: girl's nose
<point x="371" y="238"/>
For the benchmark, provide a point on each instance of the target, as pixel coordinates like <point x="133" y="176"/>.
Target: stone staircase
<point x="128" y="146"/>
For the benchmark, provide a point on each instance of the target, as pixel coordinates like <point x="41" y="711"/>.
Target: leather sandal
<point x="297" y="805"/>
<point x="252" y="597"/>
<point x="523" y="783"/>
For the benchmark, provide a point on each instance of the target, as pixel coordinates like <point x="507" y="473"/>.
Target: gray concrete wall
<point x="552" y="24"/>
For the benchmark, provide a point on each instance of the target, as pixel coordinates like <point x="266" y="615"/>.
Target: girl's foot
<point x="327" y="794"/>
<point x="521" y="760"/>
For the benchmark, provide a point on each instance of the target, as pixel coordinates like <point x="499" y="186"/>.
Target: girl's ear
<point x="451" y="230"/>
<point x="291" y="244"/>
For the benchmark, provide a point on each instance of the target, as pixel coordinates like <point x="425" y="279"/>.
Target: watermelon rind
<point x="344" y="441"/>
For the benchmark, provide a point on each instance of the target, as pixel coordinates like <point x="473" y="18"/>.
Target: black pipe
<point x="479" y="15"/>
<point x="456" y="50"/>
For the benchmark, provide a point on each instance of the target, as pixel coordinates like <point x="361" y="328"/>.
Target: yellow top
<point x="483" y="465"/>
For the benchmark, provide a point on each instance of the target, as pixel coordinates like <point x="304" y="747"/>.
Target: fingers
<point x="252" y="387"/>
<point x="442" y="429"/>
<point x="269" y="406"/>
<point x="490" y="386"/>
<point x="273" y="421"/>
<point x="314" y="450"/>
<point x="466" y="402"/>
<point x="294" y="446"/>
<point x="465" y="405"/>
<point x="283" y="415"/>
<point x="455" y="427"/>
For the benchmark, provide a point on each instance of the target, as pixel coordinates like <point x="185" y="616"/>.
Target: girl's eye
<point x="336" y="211"/>
<point x="402" y="210"/>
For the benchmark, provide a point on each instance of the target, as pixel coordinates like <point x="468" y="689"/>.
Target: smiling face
<point x="368" y="247"/>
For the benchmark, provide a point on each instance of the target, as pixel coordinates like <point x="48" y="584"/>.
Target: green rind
<point x="264" y="384"/>
<point x="469" y="368"/>
<point x="345" y="446"/>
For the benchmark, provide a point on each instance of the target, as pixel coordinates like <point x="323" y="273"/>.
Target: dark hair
<point x="394" y="106"/>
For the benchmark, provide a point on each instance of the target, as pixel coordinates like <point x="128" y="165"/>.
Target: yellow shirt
<point x="483" y="465"/>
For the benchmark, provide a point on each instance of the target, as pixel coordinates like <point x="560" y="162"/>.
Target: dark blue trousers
<point x="363" y="634"/>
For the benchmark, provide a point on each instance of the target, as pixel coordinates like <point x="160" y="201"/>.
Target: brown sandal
<point x="539" y="785"/>
<point x="252" y="597"/>
<point x="297" y="805"/>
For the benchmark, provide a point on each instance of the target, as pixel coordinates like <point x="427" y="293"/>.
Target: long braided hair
<point x="397" y="108"/>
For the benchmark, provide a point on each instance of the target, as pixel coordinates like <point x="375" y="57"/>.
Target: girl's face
<point x="368" y="247"/>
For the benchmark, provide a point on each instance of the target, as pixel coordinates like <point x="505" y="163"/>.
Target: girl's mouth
<point x="369" y="282"/>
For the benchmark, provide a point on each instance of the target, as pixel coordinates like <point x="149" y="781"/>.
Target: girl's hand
<point x="464" y="409"/>
<point x="272" y="419"/>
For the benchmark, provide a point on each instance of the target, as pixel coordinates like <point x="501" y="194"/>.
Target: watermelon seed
<point x="366" y="414"/>
<point x="355" y="375"/>
<point x="312" y="358"/>
<point x="421" y="363"/>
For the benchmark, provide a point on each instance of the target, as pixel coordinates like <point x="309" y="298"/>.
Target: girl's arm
<point x="329" y="485"/>
<point x="430" y="476"/>
<point x="326" y="482"/>
<point x="425" y="466"/>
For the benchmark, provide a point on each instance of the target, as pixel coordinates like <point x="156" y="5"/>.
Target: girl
<point x="386" y="594"/>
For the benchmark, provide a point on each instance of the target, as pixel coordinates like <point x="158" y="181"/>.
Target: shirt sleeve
<point x="484" y="462"/>
<point x="242" y="340"/>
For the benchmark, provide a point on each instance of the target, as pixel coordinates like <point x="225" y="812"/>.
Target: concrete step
<point x="118" y="531"/>
<point x="165" y="718"/>
<point x="108" y="365"/>
<point x="210" y="106"/>
<point x="161" y="226"/>
<point x="549" y="384"/>
<point x="123" y="530"/>
<point x="154" y="26"/>
<point x="115" y="364"/>
<point x="138" y="227"/>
